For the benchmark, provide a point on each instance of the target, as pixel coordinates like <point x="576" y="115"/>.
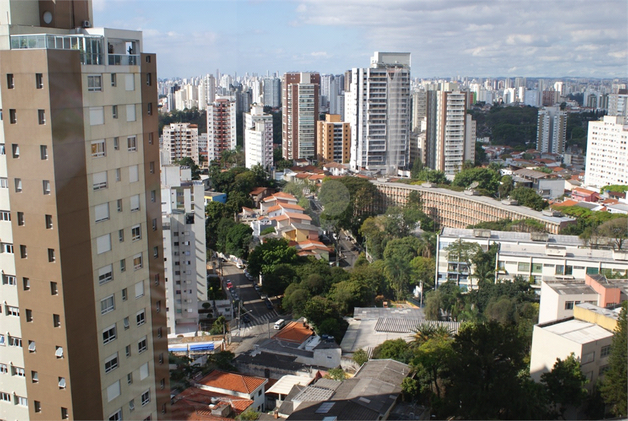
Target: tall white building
<point x="221" y="127"/>
<point x="180" y="140"/>
<point x="82" y="326"/>
<point x="551" y="132"/>
<point x="183" y="216"/>
<point x="607" y="156"/>
<point x="618" y="103"/>
<point x="258" y="137"/>
<point x="377" y="106"/>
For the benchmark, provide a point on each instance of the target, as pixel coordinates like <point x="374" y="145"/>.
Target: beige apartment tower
<point x="83" y="316"/>
<point x="333" y="140"/>
<point x="300" y="96"/>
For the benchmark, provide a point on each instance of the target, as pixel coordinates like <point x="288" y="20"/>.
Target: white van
<point x="279" y="324"/>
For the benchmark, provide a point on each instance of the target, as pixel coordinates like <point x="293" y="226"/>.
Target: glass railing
<point x="123" y="59"/>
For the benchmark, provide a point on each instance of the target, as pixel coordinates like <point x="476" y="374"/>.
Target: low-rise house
<point x="212" y="196"/>
<point x="584" y="195"/>
<point x="236" y="385"/>
<point x="194" y="404"/>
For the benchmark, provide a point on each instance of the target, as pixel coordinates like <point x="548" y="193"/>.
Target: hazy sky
<point x="545" y="38"/>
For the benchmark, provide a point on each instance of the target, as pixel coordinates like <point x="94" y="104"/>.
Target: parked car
<point x="269" y="305"/>
<point x="257" y="287"/>
<point x="229" y="285"/>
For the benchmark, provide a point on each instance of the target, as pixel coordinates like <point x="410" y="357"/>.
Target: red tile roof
<point x="567" y="202"/>
<point x="231" y="381"/>
<point x="258" y="190"/>
<point x="193" y="404"/>
<point x="290" y="206"/>
<point x="294" y="332"/>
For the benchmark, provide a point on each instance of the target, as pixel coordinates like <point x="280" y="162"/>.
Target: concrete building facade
<point x="378" y="108"/>
<point x="607" y="156"/>
<point x="180" y="140"/>
<point x="333" y="139"/>
<point x="258" y="138"/>
<point x="183" y="215"/>
<point x="80" y="228"/>
<point x="551" y="132"/>
<point x="300" y="97"/>
<point x="221" y="127"/>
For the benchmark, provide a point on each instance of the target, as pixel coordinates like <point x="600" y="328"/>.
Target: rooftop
<point x="578" y="331"/>
<point x="513" y="237"/>
<point x="232" y="381"/>
<point x="285" y="384"/>
<point x="570" y="288"/>
<point x="294" y="332"/>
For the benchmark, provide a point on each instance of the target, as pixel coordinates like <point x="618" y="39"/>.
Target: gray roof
<point x="365" y="313"/>
<point x="313" y="394"/>
<point x="524" y="172"/>
<point x="327" y="384"/>
<point x="397" y="325"/>
<point x="270" y="360"/>
<point x="570" y="288"/>
<point x="338" y="410"/>
<point x="512" y="236"/>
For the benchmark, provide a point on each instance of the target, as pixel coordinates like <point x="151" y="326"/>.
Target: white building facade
<point x="180" y="140"/>
<point x="607" y="152"/>
<point x="258" y="138"/>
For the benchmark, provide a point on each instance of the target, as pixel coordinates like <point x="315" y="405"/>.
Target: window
<point x="109" y="334"/>
<point x="560" y="270"/>
<point x="113" y="391"/>
<point x="46" y="186"/>
<point x="100" y="180"/>
<point x="121" y="235"/>
<point x="135" y="202"/>
<point x="39" y="80"/>
<point x="149" y="78"/>
<point x="153" y="196"/>
<point x="51" y="255"/>
<point x="113" y="79"/>
<point x="150" y="138"/>
<point x="126" y="323"/>
<point x="129" y="82"/>
<point x="107" y="305"/>
<point x="603" y="370"/>
<point x="43" y="151"/>
<point x="64" y="413"/>
<point x="7" y="248"/>
<point x="127" y="350"/>
<point x="568" y="270"/>
<point x="101" y="212"/>
<point x="37" y="406"/>
<point x="12" y="116"/>
<point x="10" y="81"/>
<point x="32" y="346"/>
<point x="118" y="176"/>
<point x="5" y="215"/>
<point x="605" y="351"/>
<point x="137" y="261"/>
<point x="140" y="317"/>
<point x="4" y="369"/>
<point x="59" y="351"/>
<point x="61" y="383"/>
<point x="111" y="363"/>
<point x="41" y="116"/>
<point x="94" y="83"/>
<point x="588" y="357"/>
<point x="130" y="112"/>
<point x="98" y="148"/>
<point x="49" y="222"/>
<point x="53" y="288"/>
<point x="156" y="279"/>
<point x="151" y="167"/>
<point x="22" y="401"/>
<point x="129" y="378"/>
<point x="34" y="376"/>
<point x="568" y="305"/>
<point x="2" y="340"/>
<point x="537" y="267"/>
<point x="12" y="311"/>
<point x="139" y="289"/>
<point x="23" y="252"/>
<point x="143" y="371"/>
<point x="125" y="294"/>
<point x="105" y="274"/>
<point x="26" y="282"/>
<point x="136" y="233"/>
<point x="96" y="116"/>
<point x="103" y="243"/>
<point x="122" y="265"/>
<point x="5" y="397"/>
<point x="158" y="306"/>
<point x="116" y="143"/>
<point x="29" y="315"/>
<point x="56" y="320"/>
<point x="14" y="341"/>
<point x="131" y="143"/>
<point x="154" y="224"/>
<point x="15" y="149"/>
<point x="159" y="335"/>
<point x="119" y="205"/>
<point x="20" y="218"/>
<point x="9" y="280"/>
<point x="19" y="371"/>
<point x="141" y="345"/>
<point x="149" y="108"/>
<point x="4" y="182"/>
<point x="156" y="251"/>
<point x="147" y="59"/>
<point x="145" y="397"/>
<point x="114" y="111"/>
<point x="18" y="185"/>
<point x="523" y="267"/>
<point x="133" y="174"/>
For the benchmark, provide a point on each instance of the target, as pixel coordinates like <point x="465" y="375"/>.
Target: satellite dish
<point x="474" y="185"/>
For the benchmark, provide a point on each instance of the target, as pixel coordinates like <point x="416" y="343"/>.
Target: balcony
<point x="123" y="59"/>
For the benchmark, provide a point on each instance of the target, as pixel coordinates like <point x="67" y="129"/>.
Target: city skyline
<point x="446" y="39"/>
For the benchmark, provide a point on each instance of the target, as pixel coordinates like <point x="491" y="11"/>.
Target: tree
<point x="486" y="178"/>
<point x="189" y="162"/>
<point x="433" y="353"/>
<point x="336" y="374"/>
<point x="248" y="415"/>
<point x="615" y="229"/>
<point x="462" y="252"/>
<point x="395" y="349"/>
<point x="565" y="384"/>
<point x="267" y="255"/>
<point x="505" y="186"/>
<point x="526" y="196"/>
<point x="360" y="357"/>
<point x="238" y="240"/>
<point x="614" y="384"/>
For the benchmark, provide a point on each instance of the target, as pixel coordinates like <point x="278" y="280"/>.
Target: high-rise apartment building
<point x="221" y="127"/>
<point x="300" y="96"/>
<point x="183" y="215"/>
<point x="618" y="103"/>
<point x="180" y="140"/>
<point x="377" y="106"/>
<point x="272" y="92"/>
<point x="83" y="304"/>
<point x="333" y="139"/>
<point x="551" y="131"/>
<point x="450" y="132"/>
<point x="606" y="152"/>
<point x="258" y="138"/>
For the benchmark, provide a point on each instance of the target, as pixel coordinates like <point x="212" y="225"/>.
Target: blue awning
<point x="209" y="346"/>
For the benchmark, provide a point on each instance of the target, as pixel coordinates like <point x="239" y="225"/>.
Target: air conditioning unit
<point x="87" y="24"/>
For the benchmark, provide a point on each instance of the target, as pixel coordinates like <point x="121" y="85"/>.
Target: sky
<point x="488" y="38"/>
